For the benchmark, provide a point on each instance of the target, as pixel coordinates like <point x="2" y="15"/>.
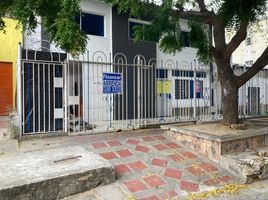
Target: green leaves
<point x="58" y="19"/>
<point x="235" y="11"/>
<point x="199" y="39"/>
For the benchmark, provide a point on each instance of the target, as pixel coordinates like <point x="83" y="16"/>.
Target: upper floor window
<point x="186" y="38"/>
<point x="92" y="24"/>
<point x="132" y="24"/>
<point x="249" y="41"/>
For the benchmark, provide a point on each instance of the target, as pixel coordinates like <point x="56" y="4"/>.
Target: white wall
<point x="99" y="49"/>
<point x="183" y="60"/>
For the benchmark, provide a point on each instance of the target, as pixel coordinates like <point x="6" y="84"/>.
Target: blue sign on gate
<point x="112" y="83"/>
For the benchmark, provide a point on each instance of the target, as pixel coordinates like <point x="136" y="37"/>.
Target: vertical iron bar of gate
<point x="138" y="90"/>
<point x="39" y="100"/>
<point x="83" y="90"/>
<point x="19" y="88"/>
<point x="44" y="97"/>
<point x="49" y="115"/>
<point x="66" y="67"/>
<point x="195" y="114"/>
<point x="142" y="83"/>
<point x="33" y="110"/>
<point x="53" y="71"/>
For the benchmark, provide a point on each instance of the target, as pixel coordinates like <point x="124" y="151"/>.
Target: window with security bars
<point x="182" y="89"/>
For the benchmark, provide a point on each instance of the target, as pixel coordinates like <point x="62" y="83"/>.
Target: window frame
<point x="97" y="14"/>
<point x="138" y="21"/>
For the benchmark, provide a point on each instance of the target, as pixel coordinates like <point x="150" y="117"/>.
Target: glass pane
<point x="93" y="24"/>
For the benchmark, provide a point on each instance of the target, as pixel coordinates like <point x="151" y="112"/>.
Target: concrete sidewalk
<point x="149" y="165"/>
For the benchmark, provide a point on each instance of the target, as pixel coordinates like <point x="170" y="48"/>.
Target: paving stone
<point x="225" y="178"/>
<point x="132" y="141"/>
<point x="168" y="194"/>
<point x="142" y="149"/>
<point x="99" y="145"/>
<point x="160" y="137"/>
<point x="121" y="169"/>
<point x="211" y="182"/>
<point x="108" y="155"/>
<point x="148" y="139"/>
<point x="173" y="145"/>
<point x="114" y="143"/>
<point x="173" y="173"/>
<point x="160" y="147"/>
<point x="137" y="166"/>
<point x="135" y="185"/>
<point x="135" y="159"/>
<point x="208" y="167"/>
<point x="159" y="162"/>
<point x="189" y="186"/>
<point x="176" y="158"/>
<point x="189" y="155"/>
<point x="124" y="153"/>
<point x="154" y="181"/>
<point x="197" y="171"/>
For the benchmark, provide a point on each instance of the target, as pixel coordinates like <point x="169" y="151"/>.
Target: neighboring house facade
<point x="253" y="98"/>
<point x="156" y="87"/>
<point x="8" y="61"/>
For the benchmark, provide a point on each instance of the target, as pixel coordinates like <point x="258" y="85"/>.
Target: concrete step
<point x="52" y="174"/>
<point x="248" y="166"/>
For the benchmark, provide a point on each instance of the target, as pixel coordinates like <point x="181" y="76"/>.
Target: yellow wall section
<point x="9" y="47"/>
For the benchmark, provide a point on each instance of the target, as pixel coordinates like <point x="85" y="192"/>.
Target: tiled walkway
<point x="150" y="166"/>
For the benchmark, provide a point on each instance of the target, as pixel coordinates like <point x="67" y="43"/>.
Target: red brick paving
<point x="176" y="158"/>
<point x="173" y="173"/>
<point x="114" y="143"/>
<point x="132" y="141"/>
<point x="135" y="185"/>
<point x="173" y="145"/>
<point x="197" y="171"/>
<point x="154" y="181"/>
<point x="189" y="155"/>
<point x="108" y="155"/>
<point x="225" y="178"/>
<point x="148" y="139"/>
<point x="137" y="166"/>
<point x="160" y="137"/>
<point x="208" y="167"/>
<point x="159" y="162"/>
<point x="99" y="145"/>
<point x="169" y="179"/>
<point x="124" y="153"/>
<point x="211" y="182"/>
<point x="121" y="169"/>
<point x="160" y="147"/>
<point x="168" y="194"/>
<point x="151" y="198"/>
<point x="142" y="149"/>
<point x="189" y="186"/>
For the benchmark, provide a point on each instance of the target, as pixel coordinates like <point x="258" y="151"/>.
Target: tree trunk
<point x="230" y="102"/>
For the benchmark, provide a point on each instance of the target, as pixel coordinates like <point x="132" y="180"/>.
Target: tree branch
<point x="239" y="37"/>
<point x="206" y="17"/>
<point x="202" y="5"/>
<point x="260" y="63"/>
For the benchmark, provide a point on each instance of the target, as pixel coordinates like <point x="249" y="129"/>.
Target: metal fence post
<point x="19" y="91"/>
<point x="195" y="114"/>
<point x="66" y="96"/>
